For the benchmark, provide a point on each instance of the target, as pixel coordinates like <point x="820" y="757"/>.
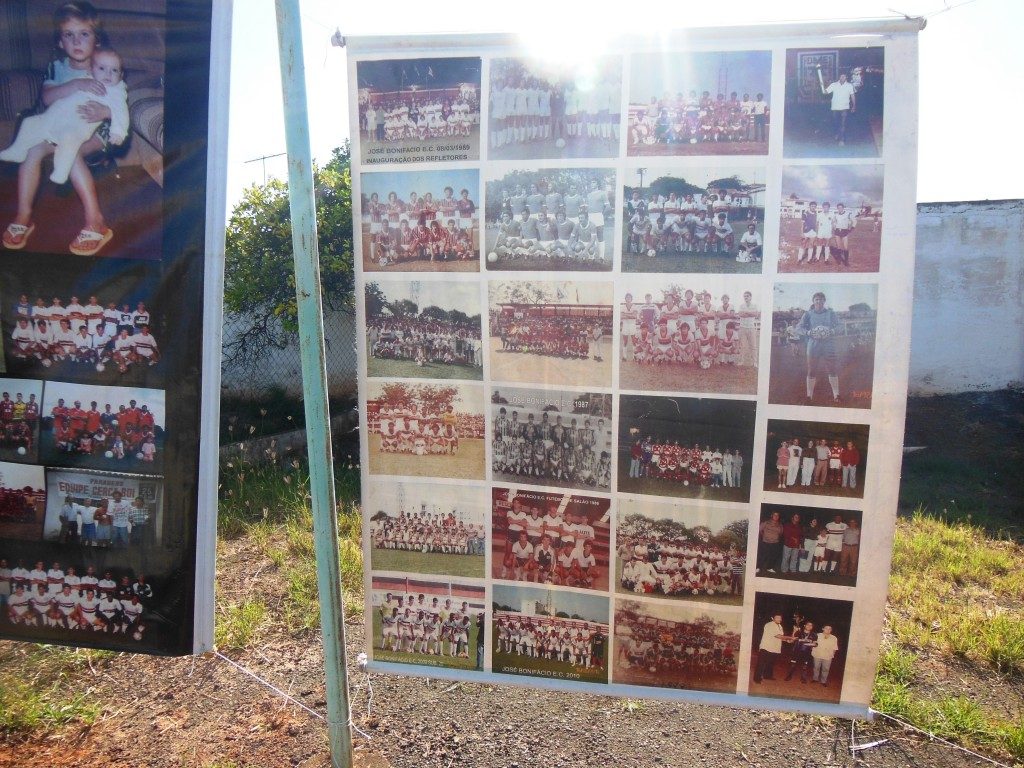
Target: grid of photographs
<point x="666" y="412"/>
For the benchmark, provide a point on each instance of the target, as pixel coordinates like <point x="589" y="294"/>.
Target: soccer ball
<point x="101" y="367"/>
<point x="47" y="363"/>
<point x="693" y="140"/>
<point x="710" y="591"/>
<point x="114" y="422"/>
<point x="686" y="482"/>
<point x="137" y="634"/>
<point x="696" y="591"/>
<point x="492" y="257"/>
<point x="705" y="363"/>
<point x="821" y="332"/>
<point x="651" y="253"/>
<point x="21" y="450"/>
<point x="560" y="143"/>
<point x="138" y="455"/>
<point x="384" y="261"/>
<point x="109" y="455"/>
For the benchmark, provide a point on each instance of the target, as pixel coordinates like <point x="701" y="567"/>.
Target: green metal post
<point x="314" y="376"/>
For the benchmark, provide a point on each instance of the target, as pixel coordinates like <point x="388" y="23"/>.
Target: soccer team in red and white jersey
<point x="421" y="228"/>
<point x="716" y="221"/>
<point x="668" y="460"/>
<point x="83" y="334"/>
<point x="425" y="340"/>
<point x="576" y="643"/>
<point x="393" y="118"/>
<point x="435" y="627"/>
<point x="414" y="430"/>
<point x="653" y="565"/>
<point x="690" y="329"/>
<point x="71" y="598"/>
<point x="703" y="119"/>
<point x="556" y="548"/>
<point x="129" y="432"/>
<point x="570" y="338"/>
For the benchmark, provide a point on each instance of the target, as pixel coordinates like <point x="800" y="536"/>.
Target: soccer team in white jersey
<point x="412" y="624"/>
<point x="84" y="334"/>
<point x="59" y="598"/>
<point x="407" y="118"/>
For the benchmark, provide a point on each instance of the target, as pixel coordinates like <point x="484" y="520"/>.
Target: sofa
<point x="136" y="29"/>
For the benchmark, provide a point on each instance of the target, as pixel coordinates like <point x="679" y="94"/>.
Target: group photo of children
<point x="423" y="330"/>
<point x="79" y="168"/>
<point x="19" y="419"/>
<point x="414" y="107"/>
<point x="22" y="501"/>
<point x="103" y="427"/>
<point x="678" y="446"/>
<point x="676" y="646"/>
<point x="700" y="338"/>
<point x="708" y="103"/>
<point x="427" y="528"/>
<point x="550" y="538"/>
<point x="426" y="430"/>
<point x="809" y="544"/>
<point x="551" y="633"/>
<point x="706" y="219"/>
<point x="681" y="552"/>
<point x="54" y="598"/>
<point x="834" y="102"/>
<point x="823" y="344"/>
<point x="420" y="221"/>
<point x="439" y="623"/>
<point x="551" y="437"/>
<point x="551" y="332"/>
<point x="799" y="647"/>
<point x="816" y="458"/>
<point x="831" y="219"/>
<point x="543" y="109"/>
<point x="555" y="219"/>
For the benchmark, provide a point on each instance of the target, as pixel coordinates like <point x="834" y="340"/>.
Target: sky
<point x="855" y="185"/>
<point x="969" y="56"/>
<point x="838" y="296"/>
<point x="446" y="295"/>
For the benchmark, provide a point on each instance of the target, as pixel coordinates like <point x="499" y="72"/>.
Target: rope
<point x="939" y="739"/>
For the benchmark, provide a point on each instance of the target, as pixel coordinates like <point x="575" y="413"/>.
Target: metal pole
<point x="314" y="376"/>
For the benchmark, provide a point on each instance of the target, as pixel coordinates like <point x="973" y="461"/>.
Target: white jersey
<point x="144" y="344"/>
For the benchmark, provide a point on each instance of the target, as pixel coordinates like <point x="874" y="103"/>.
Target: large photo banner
<point x="111" y="251"/>
<point x="633" y="346"/>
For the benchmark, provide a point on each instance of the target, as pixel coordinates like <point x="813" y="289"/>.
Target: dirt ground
<point x="201" y="713"/>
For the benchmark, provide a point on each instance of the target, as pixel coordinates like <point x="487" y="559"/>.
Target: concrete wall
<point x="968" y="330"/>
<point x="968" y="297"/>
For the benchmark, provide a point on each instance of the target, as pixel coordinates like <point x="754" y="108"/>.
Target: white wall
<point x="968" y="297"/>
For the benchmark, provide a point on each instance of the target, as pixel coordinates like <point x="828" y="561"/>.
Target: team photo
<point x="555" y="219"/>
<point x="20" y="402"/>
<point x="543" y="109"/>
<point x="701" y="337"/>
<point x="834" y="100"/>
<point x="426" y="430"/>
<point x="555" y="333"/>
<point x="555" y="634"/>
<point x="81" y="141"/>
<point x="423" y="330"/>
<point x="419" y="110"/>
<point x="799" y="647"/>
<point x="22" y="501"/>
<point x="104" y="510"/>
<point x="550" y="538"/>
<point x="708" y="219"/>
<point x="433" y="622"/>
<point x="669" y="645"/>
<point x="420" y="221"/>
<point x="820" y="458"/>
<point x="427" y="527"/>
<point x="66" y="600"/>
<point x="112" y="428"/>
<point x="811" y="544"/>
<point x="680" y="552"/>
<point x="823" y="344"/>
<point x="831" y="219"/>
<point x="677" y="446"/>
<point x="713" y="103"/>
<point x="552" y="437"/>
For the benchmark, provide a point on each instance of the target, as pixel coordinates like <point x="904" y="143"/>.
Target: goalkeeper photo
<point x="819" y="325"/>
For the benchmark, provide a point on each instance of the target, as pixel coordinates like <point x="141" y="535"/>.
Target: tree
<point x="375" y="300"/>
<point x="259" y="280"/>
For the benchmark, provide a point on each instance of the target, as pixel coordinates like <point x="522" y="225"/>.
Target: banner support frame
<point x="314" y="375"/>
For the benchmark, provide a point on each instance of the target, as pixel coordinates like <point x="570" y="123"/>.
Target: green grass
<point x="955" y="592"/>
<point x="239" y="623"/>
<point x="433" y="562"/>
<point x="510" y="663"/>
<point x="419" y="658"/>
